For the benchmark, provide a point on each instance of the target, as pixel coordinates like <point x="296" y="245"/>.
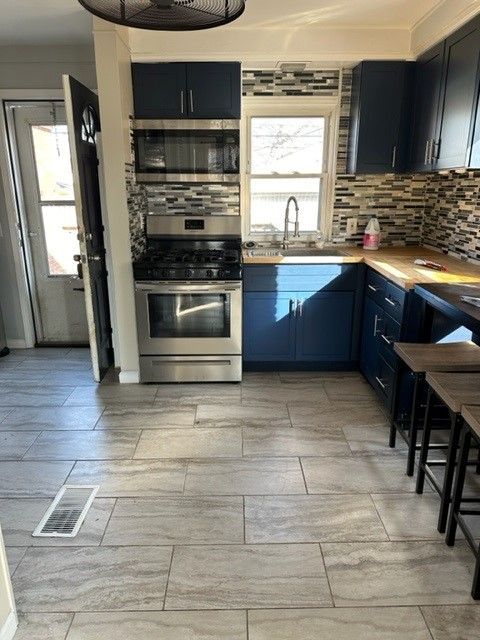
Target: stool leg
<point x="427" y="430"/>
<point x="446" y="495"/>
<point x="412" y="436"/>
<point x="477" y="468"/>
<point x="393" y="428"/>
<point x="459" y="484"/>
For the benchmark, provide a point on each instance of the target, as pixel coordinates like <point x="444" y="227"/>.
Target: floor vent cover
<point x="65" y="515"/>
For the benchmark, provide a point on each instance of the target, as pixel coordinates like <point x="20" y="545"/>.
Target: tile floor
<point x="269" y="510"/>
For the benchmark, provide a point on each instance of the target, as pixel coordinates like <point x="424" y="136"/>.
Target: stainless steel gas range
<point x="188" y="294"/>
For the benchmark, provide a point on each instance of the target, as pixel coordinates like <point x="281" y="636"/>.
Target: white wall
<point x="31" y="68"/>
<point x="8" y="619"/>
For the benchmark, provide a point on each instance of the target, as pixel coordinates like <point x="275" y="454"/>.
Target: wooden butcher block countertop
<point x="395" y="263"/>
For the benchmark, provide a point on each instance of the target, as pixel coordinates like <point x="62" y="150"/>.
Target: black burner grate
<point x="167" y="15"/>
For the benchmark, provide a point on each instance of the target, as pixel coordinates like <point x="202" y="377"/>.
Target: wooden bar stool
<point x="470" y="431"/>
<point x="454" y="390"/>
<point x="420" y="358"/>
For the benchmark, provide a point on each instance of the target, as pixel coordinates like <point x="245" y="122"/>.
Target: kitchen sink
<point x="300" y="252"/>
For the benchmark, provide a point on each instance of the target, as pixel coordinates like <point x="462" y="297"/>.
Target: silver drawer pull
<point x="392" y="302"/>
<point x="382" y="384"/>
<point x="372" y="288"/>
<point x="375" y="327"/>
<point x="387" y="340"/>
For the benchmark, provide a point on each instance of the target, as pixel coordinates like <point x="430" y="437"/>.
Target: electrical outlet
<point x="352" y="226"/>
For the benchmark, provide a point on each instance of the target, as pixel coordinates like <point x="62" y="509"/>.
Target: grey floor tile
<point x="398" y="573"/>
<point x="160" y="625"/>
<point x="245" y="415"/>
<point x="190" y="443"/>
<point x="43" y="626"/>
<point x="294" y="392"/>
<point x="20" y="395"/>
<point x="141" y="417"/>
<point x="247" y="576"/>
<point x="260" y="377"/>
<point x="176" y="521"/>
<point x="328" y="441"/>
<point x="372" y="440"/>
<point x="19" y="518"/>
<point x="348" y="389"/>
<point x="49" y="365"/>
<point x="84" y="445"/>
<point x="92" y="579"/>
<point x="14" y="445"/>
<point x="36" y="377"/>
<point x="14" y="556"/>
<point x="4" y="412"/>
<point x="337" y="413"/>
<point x="400" y="623"/>
<point x="27" y="479"/>
<point x="460" y="622"/>
<point x="103" y="395"/>
<point x="413" y="517"/>
<point x="379" y="474"/>
<point x="42" y="353"/>
<point x="312" y="519"/>
<point x="199" y="393"/>
<point x="318" y="376"/>
<point x="131" y="478"/>
<point x="256" y="476"/>
<point x="51" y="419"/>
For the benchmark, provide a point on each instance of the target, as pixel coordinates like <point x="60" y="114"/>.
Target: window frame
<point x="294" y="107"/>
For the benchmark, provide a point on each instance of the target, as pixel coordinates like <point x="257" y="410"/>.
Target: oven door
<point x="189" y="319"/>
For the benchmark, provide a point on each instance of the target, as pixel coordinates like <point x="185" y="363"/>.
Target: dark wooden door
<point x="459" y="98"/>
<point x="428" y="82"/>
<point x="159" y="90"/>
<point x="378" y="104"/>
<point x="214" y="89"/>
<point x="83" y="122"/>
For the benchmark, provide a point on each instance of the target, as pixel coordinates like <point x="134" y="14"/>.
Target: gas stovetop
<point x="190" y="260"/>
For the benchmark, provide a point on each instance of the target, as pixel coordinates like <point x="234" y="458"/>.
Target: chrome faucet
<point x="296" y="232"/>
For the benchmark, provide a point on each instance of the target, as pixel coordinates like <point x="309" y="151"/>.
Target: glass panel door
<point x="182" y="315"/>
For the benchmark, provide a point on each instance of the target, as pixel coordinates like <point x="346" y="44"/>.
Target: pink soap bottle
<point x="371" y="237"/>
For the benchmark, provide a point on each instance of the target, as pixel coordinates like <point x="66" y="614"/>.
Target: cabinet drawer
<point x="331" y="277"/>
<point x="385" y="382"/>
<point x="376" y="287"/>
<point x="389" y="333"/>
<point x="394" y="301"/>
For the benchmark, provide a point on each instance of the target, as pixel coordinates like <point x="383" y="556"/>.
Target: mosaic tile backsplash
<point x="441" y="211"/>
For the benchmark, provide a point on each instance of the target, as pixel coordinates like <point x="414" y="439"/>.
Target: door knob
<point x="77" y="258"/>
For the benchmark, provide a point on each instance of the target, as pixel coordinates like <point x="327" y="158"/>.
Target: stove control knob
<point x="209" y="273"/>
<point x="220" y="273"/>
<point x="188" y="273"/>
<point x="165" y="273"/>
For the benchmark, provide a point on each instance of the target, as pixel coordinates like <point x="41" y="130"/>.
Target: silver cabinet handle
<point x="381" y="383"/>
<point x="375" y="327"/>
<point x="435" y="153"/>
<point x="191" y="100"/>
<point x="427" y="152"/>
<point x="391" y="302"/>
<point x="385" y="339"/>
<point x="372" y="288"/>
<point x="293" y="308"/>
<point x="300" y="308"/>
<point x="182" y="102"/>
<point x="394" y="156"/>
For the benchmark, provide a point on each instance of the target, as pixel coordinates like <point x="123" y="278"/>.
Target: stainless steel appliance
<point x="187" y="150"/>
<point x="188" y="295"/>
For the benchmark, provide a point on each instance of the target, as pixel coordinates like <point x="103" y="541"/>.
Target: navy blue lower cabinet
<point x="269" y="326"/>
<point x="369" y="351"/>
<point x="324" y="326"/>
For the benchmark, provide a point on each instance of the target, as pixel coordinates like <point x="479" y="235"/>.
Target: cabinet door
<point x="378" y="103"/>
<point x="371" y="327"/>
<point x="269" y="326"/>
<point x="325" y="326"/>
<point x="459" y="99"/>
<point x="214" y="90"/>
<point x="159" y="90"/>
<point x="428" y="82"/>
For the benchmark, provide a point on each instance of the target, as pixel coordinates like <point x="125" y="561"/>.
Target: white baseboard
<point x="9" y="628"/>
<point x="17" y="344"/>
<point x="128" y="377"/>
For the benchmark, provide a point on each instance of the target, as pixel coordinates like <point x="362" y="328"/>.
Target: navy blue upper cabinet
<point x="380" y="117"/>
<point x="187" y="90"/>
<point x="459" y="98"/>
<point x="426" y="100"/>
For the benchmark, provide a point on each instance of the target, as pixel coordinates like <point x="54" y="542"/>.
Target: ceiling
<point x="66" y="22"/>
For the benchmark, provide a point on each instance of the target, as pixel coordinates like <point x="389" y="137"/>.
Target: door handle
<point x="435" y="150"/>
<point x="427" y="159"/>
<point x="391" y="302"/>
<point x="375" y="326"/>
<point x="394" y="156"/>
<point x="190" y="93"/>
<point x="372" y="288"/>
<point x="182" y="102"/>
<point x="381" y="383"/>
<point x="293" y="307"/>
<point x="300" y="308"/>
<point x="386" y="339"/>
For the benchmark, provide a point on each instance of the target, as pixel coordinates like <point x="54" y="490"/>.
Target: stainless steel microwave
<point x="187" y="150"/>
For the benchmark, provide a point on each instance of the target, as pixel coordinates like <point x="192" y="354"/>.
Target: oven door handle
<point x="207" y="288"/>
